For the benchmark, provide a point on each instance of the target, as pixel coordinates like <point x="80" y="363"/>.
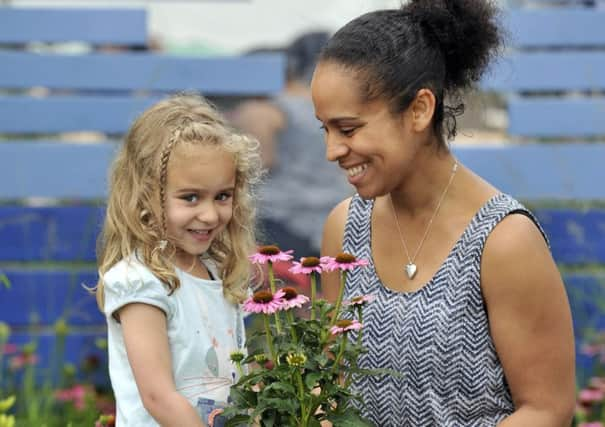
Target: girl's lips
<point x="200" y="235"/>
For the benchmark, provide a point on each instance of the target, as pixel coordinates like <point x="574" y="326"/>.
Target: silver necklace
<point x="411" y="268"/>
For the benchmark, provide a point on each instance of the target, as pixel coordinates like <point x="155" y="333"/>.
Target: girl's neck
<point x="193" y="266"/>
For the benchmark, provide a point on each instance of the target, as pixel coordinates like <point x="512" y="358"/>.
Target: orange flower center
<point x="310" y="261"/>
<point x="290" y="293"/>
<point x="262" y="297"/>
<point x="269" y="250"/>
<point x="344" y="258"/>
<point x="344" y="323"/>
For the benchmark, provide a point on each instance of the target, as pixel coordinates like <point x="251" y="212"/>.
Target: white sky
<point x="233" y="26"/>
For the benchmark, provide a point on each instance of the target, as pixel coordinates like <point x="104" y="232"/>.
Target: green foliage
<point x="302" y="374"/>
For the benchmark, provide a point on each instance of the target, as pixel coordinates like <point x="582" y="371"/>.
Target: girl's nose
<point x="208" y="213"/>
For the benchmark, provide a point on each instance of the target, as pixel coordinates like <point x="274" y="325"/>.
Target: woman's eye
<point x="347" y="131"/>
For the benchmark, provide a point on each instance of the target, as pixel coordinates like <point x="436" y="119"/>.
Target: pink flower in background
<point x="591" y="424"/>
<point x="75" y="394"/>
<point x="306" y="265"/>
<point x="20" y="360"/>
<point x="9" y="348"/>
<point x="270" y="253"/>
<point x="292" y="299"/>
<point x="360" y="300"/>
<point x="345" y="325"/>
<point x="264" y="302"/>
<point x="589" y="395"/>
<point x="342" y="262"/>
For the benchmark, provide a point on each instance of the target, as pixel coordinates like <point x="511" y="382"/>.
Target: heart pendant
<point x="410" y="270"/>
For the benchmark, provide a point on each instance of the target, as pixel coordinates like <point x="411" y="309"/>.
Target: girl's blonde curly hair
<point x="135" y="221"/>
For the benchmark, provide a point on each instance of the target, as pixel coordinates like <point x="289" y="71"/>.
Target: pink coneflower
<point x="306" y="265"/>
<point x="264" y="302"/>
<point x="345" y="325"/>
<point x="292" y="299"/>
<point x="589" y="395"/>
<point x="270" y="253"/>
<point x="360" y="300"/>
<point x="342" y="262"/>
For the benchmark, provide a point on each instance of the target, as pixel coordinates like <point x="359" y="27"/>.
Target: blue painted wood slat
<point x="67" y="233"/>
<point x="576" y="237"/>
<point x="44" y="296"/>
<point x="540" y="171"/>
<point x="96" y="26"/>
<point x="556" y="27"/>
<point x="246" y="75"/>
<point x="565" y="172"/>
<point x="109" y="114"/>
<point x="47" y="169"/>
<point x="547" y="71"/>
<point x="557" y="117"/>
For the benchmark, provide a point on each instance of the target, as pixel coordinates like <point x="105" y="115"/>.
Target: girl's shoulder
<point x="129" y="269"/>
<point x="131" y="281"/>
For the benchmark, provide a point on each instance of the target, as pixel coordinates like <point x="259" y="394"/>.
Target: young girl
<point x="173" y="261"/>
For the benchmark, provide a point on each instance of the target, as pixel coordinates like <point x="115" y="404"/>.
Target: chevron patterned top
<point x="437" y="337"/>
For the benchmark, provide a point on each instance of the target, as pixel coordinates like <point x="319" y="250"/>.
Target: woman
<point x="470" y="307"/>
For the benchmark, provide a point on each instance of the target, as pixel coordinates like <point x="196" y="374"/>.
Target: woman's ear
<point x="422" y="109"/>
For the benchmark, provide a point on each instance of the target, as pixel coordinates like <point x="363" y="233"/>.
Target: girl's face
<point x="374" y="147"/>
<point x="199" y="198"/>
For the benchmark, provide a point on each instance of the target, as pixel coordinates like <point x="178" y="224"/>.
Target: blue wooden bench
<point x="552" y="79"/>
<point x="55" y="150"/>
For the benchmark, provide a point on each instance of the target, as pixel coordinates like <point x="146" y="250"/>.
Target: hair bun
<point x="465" y="31"/>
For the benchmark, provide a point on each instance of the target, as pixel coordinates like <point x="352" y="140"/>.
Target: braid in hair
<point x="164" y="157"/>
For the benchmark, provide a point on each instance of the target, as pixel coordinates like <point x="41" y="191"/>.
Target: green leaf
<point x="348" y="419"/>
<point x="280" y="386"/>
<point x="312" y="379"/>
<point x="238" y="420"/>
<point x="4" y="281"/>
<point x="243" y="398"/>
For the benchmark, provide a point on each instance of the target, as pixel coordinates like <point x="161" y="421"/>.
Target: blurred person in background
<point x="301" y="187"/>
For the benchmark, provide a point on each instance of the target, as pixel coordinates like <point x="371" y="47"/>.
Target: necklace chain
<point x="411" y="267"/>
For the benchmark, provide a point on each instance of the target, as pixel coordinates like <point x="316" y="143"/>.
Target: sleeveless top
<point x="437" y="337"/>
<point x="302" y="187"/>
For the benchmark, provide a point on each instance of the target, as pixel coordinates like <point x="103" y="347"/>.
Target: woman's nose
<point x="335" y="148"/>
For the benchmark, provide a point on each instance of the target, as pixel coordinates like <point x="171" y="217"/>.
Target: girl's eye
<point x="191" y="198"/>
<point x="347" y="131"/>
<point x="222" y="197"/>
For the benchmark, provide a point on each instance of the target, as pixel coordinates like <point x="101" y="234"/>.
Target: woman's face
<point x="374" y="147"/>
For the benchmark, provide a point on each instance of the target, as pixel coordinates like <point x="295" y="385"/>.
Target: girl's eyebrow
<point x="204" y="190"/>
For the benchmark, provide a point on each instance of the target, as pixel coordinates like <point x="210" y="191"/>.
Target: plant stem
<point x="269" y="338"/>
<point x="290" y="318"/>
<point x="341" y="291"/>
<point x="273" y="290"/>
<point x="313" y="290"/>
<point x="301" y="398"/>
<point x="341" y="351"/>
